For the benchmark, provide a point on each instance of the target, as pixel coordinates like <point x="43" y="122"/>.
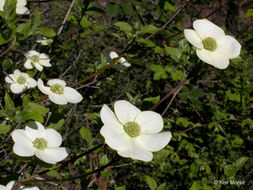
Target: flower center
<point x="35" y="58"/>
<point x="57" y="89"/>
<point x="132" y="129"/>
<point x="21" y="80"/>
<point x="40" y="143"/>
<point x="209" y="44"/>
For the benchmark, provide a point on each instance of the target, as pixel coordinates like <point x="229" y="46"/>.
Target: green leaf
<point x="158" y="49"/>
<point x="86" y="134"/>
<point x="197" y="92"/>
<point x="240" y="162"/>
<point x="160" y="71"/>
<point x="151" y="182"/>
<point x="9" y="104"/>
<point x="103" y="61"/>
<point x="32" y="111"/>
<point x="156" y="68"/>
<point x="4" y="129"/>
<point x="175" y="53"/>
<point x="127" y="9"/>
<point x="47" y="32"/>
<point x="85" y="23"/>
<point x="149" y="29"/>
<point x="233" y="96"/>
<point x="176" y="75"/>
<point x="121" y="188"/>
<point x="207" y="187"/>
<point x="104" y="160"/>
<point x="92" y="116"/>
<point x="169" y="7"/>
<point x="237" y="142"/>
<point x="24" y="28"/>
<point x="113" y="10"/>
<point x="57" y="125"/>
<point x="10" y="9"/>
<point x="2" y="113"/>
<point x="96" y="9"/>
<point x="53" y="173"/>
<point x="26" y="100"/>
<point x="154" y="100"/>
<point x="249" y="13"/>
<point x="36" y="19"/>
<point x="161" y="156"/>
<point x="161" y="186"/>
<point x="183" y="121"/>
<point x="195" y="186"/>
<point x="2" y="40"/>
<point x="147" y="43"/>
<point x="230" y="171"/>
<point x="160" y="75"/>
<point x="124" y="26"/>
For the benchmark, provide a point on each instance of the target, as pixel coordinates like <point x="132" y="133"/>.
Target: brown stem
<point x="16" y="187"/>
<point x="98" y="72"/>
<point x="73" y="159"/>
<point x="173" y="91"/>
<point x="65" y="18"/>
<point x="6" y="51"/>
<point x="169" y="21"/>
<point x="173" y="97"/>
<point x="34" y="179"/>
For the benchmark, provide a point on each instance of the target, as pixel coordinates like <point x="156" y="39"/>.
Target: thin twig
<point x="73" y="159"/>
<point x="71" y="64"/>
<point x="169" y="21"/>
<point x="6" y="51"/>
<point x="88" y="84"/>
<point x="173" y="97"/>
<point x="214" y="11"/>
<point x="67" y="179"/>
<point x="48" y="117"/>
<point x="173" y="91"/>
<point x="65" y="18"/>
<point x="98" y="72"/>
<point x="197" y="112"/>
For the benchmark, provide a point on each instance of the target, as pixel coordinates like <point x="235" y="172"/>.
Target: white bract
<point x="59" y="93"/>
<point x="133" y="133"/>
<point x="20" y="7"/>
<point x="213" y="46"/>
<point x="41" y="142"/>
<point x="122" y="60"/>
<point x="37" y="60"/>
<point x="20" y="81"/>
<point x="10" y="185"/>
<point x="45" y="41"/>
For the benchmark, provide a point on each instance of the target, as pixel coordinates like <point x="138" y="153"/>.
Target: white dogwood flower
<point x="59" y="93"/>
<point x="41" y="142"/>
<point x="20" y="81"/>
<point x="45" y="41"/>
<point x="122" y="60"/>
<point x="10" y="185"/>
<point x="37" y="60"/>
<point x="213" y="46"/>
<point x="20" y="7"/>
<point x="133" y="133"/>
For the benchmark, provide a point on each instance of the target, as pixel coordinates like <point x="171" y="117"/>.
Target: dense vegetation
<point x="208" y="110"/>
